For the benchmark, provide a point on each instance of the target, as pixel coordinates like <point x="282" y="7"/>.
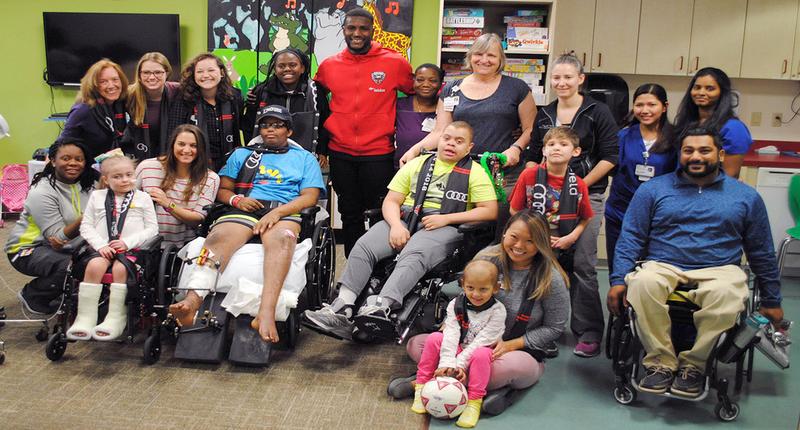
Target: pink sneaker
<point x="587" y="349"/>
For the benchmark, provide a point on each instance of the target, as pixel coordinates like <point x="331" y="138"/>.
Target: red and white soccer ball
<point x="444" y="397"/>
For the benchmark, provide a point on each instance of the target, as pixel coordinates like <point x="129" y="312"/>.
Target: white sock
<point x="117" y="317"/>
<point x="86" y="319"/>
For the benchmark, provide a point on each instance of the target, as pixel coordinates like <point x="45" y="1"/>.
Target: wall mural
<point x="244" y="33"/>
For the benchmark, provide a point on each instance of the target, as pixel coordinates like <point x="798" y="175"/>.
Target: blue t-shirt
<point x="280" y="177"/>
<point x="736" y="139"/>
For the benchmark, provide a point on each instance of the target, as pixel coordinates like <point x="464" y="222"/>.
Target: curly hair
<point x="88" y="175"/>
<point x="190" y="91"/>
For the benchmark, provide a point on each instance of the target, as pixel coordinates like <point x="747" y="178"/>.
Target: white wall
<point x="757" y="95"/>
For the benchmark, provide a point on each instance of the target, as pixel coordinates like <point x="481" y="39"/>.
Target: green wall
<point x="25" y="98"/>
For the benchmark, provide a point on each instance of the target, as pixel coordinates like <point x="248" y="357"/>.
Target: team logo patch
<point x="378" y="77"/>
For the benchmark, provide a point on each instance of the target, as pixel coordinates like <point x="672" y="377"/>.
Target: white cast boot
<point x="86" y="319"/>
<point x="117" y="317"/>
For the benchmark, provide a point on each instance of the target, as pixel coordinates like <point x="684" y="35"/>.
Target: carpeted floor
<point x="324" y="383"/>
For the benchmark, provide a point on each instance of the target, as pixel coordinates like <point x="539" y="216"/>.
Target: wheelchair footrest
<point x="206" y="344"/>
<point x="247" y="347"/>
<point x="376" y="326"/>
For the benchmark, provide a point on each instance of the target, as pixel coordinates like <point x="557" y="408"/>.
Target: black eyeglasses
<point x="275" y="125"/>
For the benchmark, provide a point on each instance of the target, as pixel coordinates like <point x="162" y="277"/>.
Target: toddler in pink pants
<point x="474" y="321"/>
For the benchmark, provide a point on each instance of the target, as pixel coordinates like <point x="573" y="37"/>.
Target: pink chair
<point x="13" y="189"/>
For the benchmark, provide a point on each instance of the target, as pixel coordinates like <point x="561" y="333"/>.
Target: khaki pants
<point x="721" y="293"/>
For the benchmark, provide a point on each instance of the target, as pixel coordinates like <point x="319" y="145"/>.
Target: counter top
<point x="754" y="159"/>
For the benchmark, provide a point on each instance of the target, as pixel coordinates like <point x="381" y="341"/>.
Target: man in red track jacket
<point x="363" y="81"/>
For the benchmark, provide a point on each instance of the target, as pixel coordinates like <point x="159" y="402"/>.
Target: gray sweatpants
<point x="48" y="266"/>
<point x="422" y="252"/>
<point x="587" y="313"/>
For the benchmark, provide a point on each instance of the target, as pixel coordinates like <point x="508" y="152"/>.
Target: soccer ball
<point x="444" y="397"/>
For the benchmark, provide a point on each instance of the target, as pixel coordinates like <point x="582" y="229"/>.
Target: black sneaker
<point x="656" y="380"/>
<point x="402" y="388"/>
<point x="375" y="320"/>
<point x="689" y="382"/>
<point x="499" y="400"/>
<point x="33" y="307"/>
<point x="551" y="350"/>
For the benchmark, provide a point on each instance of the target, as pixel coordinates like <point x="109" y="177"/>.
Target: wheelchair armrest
<point x="151" y="244"/>
<point x="309" y="212"/>
<point x="476" y="227"/>
<point x="373" y="216"/>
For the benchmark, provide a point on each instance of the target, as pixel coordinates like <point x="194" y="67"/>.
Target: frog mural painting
<point x="244" y="33"/>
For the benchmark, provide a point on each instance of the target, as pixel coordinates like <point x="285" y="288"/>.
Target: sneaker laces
<point x="661" y="370"/>
<point x="689" y="372"/>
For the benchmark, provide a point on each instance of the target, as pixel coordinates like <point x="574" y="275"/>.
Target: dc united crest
<point x="378" y="77"/>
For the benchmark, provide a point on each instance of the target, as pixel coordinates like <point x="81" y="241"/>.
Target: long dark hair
<point x="688" y="112"/>
<point x="198" y="170"/>
<point x="190" y="91"/>
<point x="297" y="53"/>
<point x="88" y="175"/>
<point x="664" y="142"/>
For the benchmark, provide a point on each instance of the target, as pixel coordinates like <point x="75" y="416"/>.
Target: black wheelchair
<point x="146" y="307"/>
<point x="624" y="348"/>
<point x="207" y="340"/>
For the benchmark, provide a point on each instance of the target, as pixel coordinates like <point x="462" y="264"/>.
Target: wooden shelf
<point x="507" y="51"/>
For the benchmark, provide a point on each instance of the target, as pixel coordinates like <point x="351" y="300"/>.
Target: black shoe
<point x="499" y="400"/>
<point x="375" y="321"/>
<point x="689" y="382"/>
<point x="32" y="306"/>
<point x="402" y="388"/>
<point x="551" y="350"/>
<point x="656" y="380"/>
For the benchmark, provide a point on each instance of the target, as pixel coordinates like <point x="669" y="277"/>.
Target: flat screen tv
<point x="74" y="41"/>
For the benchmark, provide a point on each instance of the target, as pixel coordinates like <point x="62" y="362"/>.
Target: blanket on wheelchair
<point x="243" y="278"/>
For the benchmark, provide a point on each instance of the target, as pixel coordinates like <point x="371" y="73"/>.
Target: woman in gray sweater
<point x="534" y="293"/>
<point x="50" y="219"/>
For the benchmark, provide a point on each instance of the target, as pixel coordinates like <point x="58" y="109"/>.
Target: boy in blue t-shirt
<point x="279" y="180"/>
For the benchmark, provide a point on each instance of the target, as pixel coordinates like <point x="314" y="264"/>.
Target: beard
<point x="710" y="169"/>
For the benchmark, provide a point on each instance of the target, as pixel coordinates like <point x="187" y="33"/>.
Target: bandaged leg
<point x="86" y="319"/>
<point x="202" y="281"/>
<point x="116" y="318"/>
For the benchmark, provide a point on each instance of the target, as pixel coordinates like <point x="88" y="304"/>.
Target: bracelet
<point x="232" y="201"/>
<point x="170" y="207"/>
<point x="236" y="199"/>
<point x="521" y="149"/>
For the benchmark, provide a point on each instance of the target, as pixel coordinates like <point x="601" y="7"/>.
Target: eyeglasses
<point x="274" y="125"/>
<point x="156" y="73"/>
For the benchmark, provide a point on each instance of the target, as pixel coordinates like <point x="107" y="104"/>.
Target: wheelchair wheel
<point x="624" y="395"/>
<point x="168" y="270"/>
<point x="726" y="414"/>
<point x="56" y="346"/>
<point x="2" y="357"/>
<point x="152" y="349"/>
<point x="321" y="265"/>
<point x="42" y="334"/>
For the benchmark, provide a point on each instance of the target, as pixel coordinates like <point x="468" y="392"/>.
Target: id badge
<point x="450" y="103"/>
<point x="428" y="124"/>
<point x="645" y="172"/>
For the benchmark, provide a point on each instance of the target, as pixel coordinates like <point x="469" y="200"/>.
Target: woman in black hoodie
<point x="595" y="125"/>
<point x="288" y="84"/>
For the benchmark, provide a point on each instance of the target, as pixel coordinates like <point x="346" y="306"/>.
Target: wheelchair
<point x="146" y="308"/>
<point x="624" y="348"/>
<point x="207" y="339"/>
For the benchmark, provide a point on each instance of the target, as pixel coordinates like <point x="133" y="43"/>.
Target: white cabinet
<point x="769" y="39"/>
<point x="657" y="54"/>
<point x="576" y="17"/>
<point x="717" y="35"/>
<point x="616" y="31"/>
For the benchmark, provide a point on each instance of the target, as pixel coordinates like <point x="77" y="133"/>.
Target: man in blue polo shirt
<point x="692" y="226"/>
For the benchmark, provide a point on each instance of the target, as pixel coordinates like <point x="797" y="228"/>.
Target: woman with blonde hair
<point x="533" y="289"/>
<point x="98" y="115"/>
<point x="492" y="103"/>
<point x="149" y="99"/>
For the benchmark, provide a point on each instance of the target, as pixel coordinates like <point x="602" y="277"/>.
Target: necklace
<point x="417" y="105"/>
